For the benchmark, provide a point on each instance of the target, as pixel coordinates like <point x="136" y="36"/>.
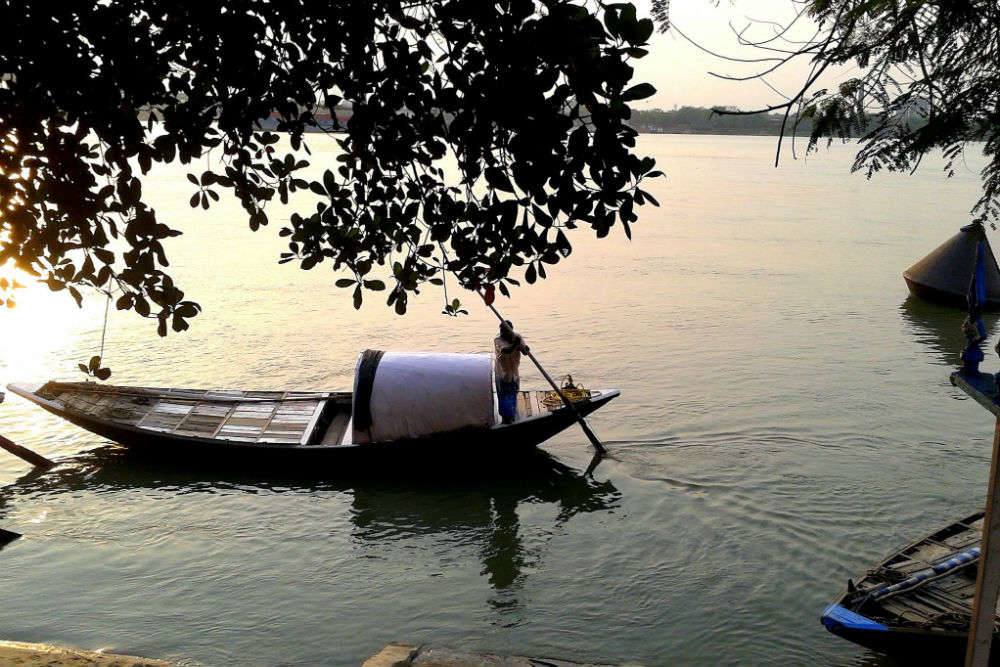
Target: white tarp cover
<point x="415" y="394"/>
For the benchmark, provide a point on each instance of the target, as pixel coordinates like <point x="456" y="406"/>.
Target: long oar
<point x="601" y="449"/>
<point x="31" y="457"/>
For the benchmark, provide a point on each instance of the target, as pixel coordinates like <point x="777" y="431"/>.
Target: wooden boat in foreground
<point x="918" y="601"/>
<point x="404" y="402"/>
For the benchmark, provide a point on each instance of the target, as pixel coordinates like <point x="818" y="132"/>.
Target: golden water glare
<point x="42" y="324"/>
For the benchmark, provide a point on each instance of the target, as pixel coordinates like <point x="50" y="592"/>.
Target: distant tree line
<point x="702" y="120"/>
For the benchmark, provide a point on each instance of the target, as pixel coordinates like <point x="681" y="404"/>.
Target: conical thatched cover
<point x="943" y="275"/>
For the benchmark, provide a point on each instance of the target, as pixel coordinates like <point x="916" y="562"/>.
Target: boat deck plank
<point x="334" y="435"/>
<point x="529" y="403"/>
<point x="202" y="413"/>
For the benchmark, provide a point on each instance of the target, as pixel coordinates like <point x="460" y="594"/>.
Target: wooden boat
<point x="307" y="425"/>
<point x="917" y="601"/>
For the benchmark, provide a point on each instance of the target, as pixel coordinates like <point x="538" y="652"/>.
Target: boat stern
<point x="25" y="389"/>
<point x="843" y="622"/>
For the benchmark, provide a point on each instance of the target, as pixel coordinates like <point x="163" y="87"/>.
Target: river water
<point x="785" y="420"/>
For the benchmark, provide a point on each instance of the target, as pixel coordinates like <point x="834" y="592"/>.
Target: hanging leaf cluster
<point x="94" y="369"/>
<point x="482" y="132"/>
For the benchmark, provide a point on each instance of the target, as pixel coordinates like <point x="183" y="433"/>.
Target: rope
<point x="104" y="331"/>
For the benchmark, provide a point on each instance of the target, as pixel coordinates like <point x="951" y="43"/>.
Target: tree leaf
<point x="638" y="92"/>
<point x="498" y="179"/>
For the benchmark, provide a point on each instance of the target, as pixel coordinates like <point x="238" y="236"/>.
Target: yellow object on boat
<point x="573" y="394"/>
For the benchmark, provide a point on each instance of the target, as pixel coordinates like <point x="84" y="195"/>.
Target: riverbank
<point x="24" y="654"/>
<point x="406" y="655"/>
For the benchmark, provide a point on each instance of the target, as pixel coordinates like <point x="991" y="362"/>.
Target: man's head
<point x="507" y="329"/>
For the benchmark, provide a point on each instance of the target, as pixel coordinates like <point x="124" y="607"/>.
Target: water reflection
<point x="872" y="659"/>
<point x="483" y="508"/>
<point x="940" y="327"/>
<point x="386" y="506"/>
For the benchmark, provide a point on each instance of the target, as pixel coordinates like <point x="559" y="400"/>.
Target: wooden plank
<point x="214" y="409"/>
<point x="199" y="428"/>
<point x="237" y="429"/>
<point x="935" y="594"/>
<point x="334" y="435"/>
<point x="988" y="579"/>
<point x="149" y="414"/>
<point x="270" y="418"/>
<point x="915" y="613"/>
<point x="982" y="387"/>
<point x="930" y="552"/>
<point x="230" y="411"/>
<point x="962" y="540"/>
<point x="312" y="422"/>
<point x="257" y="423"/>
<point x="523" y="406"/>
<point x="174" y="407"/>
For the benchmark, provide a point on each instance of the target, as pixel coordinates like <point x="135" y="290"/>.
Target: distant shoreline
<point x="719" y="133"/>
<point x="702" y="120"/>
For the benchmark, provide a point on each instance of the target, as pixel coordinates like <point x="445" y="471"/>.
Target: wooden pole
<point x="988" y="580"/>
<point x="31" y="457"/>
<point x="598" y="445"/>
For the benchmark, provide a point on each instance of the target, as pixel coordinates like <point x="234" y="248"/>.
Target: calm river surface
<point x="786" y="419"/>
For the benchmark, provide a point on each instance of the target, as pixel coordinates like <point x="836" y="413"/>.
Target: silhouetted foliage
<point x="480" y="133"/>
<point x="928" y="76"/>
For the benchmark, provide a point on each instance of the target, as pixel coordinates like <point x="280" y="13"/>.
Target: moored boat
<point x="405" y="402"/>
<point x="918" y="600"/>
<point x="943" y="275"/>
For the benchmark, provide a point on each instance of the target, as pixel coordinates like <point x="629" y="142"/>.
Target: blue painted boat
<point x="917" y="602"/>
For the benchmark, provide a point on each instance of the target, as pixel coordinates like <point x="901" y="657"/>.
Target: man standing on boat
<point x="509" y="346"/>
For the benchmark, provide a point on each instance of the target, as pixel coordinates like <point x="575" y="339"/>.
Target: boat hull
<point x="931" y="646"/>
<point x="499" y="440"/>
<point x="943" y="297"/>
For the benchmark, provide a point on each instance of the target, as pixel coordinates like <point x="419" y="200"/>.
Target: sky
<point x="680" y="71"/>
